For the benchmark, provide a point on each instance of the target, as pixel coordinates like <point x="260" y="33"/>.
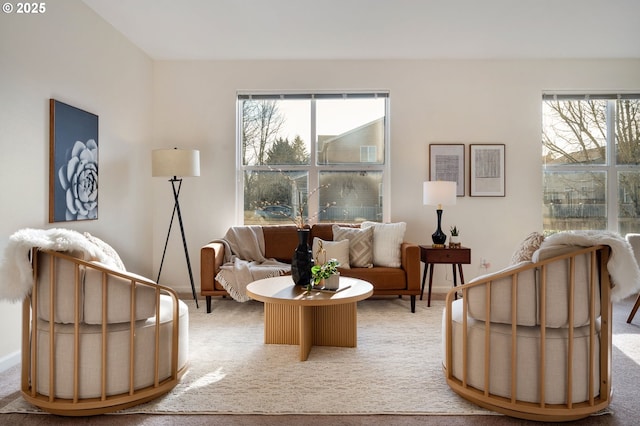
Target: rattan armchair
<point x="97" y="340"/>
<point x="534" y="341"/>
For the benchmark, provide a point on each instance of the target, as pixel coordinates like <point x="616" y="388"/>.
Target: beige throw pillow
<point x="525" y="250"/>
<point x="107" y="250"/>
<point x="387" y="238"/>
<point x="338" y="250"/>
<point x="360" y="245"/>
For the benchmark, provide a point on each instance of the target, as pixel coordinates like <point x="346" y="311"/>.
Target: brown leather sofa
<point x="280" y="243"/>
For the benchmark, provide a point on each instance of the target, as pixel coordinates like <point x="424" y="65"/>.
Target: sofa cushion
<point x="360" y="244"/>
<point x="338" y="250"/>
<point x="525" y="250"/>
<point x="387" y="238"/>
<point x="383" y="279"/>
<point x="280" y="241"/>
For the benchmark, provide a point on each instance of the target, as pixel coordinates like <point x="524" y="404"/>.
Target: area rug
<point x="395" y="369"/>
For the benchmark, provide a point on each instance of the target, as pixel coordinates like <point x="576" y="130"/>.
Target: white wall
<point x="72" y="55"/>
<point x="432" y="101"/>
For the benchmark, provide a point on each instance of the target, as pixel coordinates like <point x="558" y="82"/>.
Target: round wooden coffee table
<point x="293" y="316"/>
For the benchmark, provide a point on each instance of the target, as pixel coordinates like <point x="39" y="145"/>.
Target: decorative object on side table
<point x="439" y="193"/>
<point x="454" y="242"/>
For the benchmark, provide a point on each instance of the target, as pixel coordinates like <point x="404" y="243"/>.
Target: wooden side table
<point x="454" y="256"/>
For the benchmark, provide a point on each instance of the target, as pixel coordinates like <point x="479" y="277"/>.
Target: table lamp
<point x="439" y="193"/>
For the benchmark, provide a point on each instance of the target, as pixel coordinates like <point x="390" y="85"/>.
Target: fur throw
<point x="622" y="266"/>
<point x="16" y="273"/>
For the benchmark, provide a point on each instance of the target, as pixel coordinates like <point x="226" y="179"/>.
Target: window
<point x="324" y="154"/>
<point x="591" y="162"/>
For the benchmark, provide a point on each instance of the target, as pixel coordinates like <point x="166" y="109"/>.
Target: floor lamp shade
<point x="175" y="162"/>
<point x="439" y="193"/>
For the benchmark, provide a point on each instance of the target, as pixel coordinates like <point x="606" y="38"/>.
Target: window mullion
<point x="612" y="172"/>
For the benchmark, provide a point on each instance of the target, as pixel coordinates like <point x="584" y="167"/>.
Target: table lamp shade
<point x="439" y="193"/>
<point x="175" y="162"/>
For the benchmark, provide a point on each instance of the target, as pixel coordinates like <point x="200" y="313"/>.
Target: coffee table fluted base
<point x="332" y="325"/>
<point x="293" y="316"/>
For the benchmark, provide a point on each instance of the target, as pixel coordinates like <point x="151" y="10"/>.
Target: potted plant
<point x="326" y="274"/>
<point x="454" y="242"/>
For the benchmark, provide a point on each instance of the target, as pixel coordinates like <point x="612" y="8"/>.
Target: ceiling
<point x="376" y="29"/>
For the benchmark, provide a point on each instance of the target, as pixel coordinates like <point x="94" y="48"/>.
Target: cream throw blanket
<point x="16" y="273"/>
<point x="622" y="266"/>
<point x="244" y="261"/>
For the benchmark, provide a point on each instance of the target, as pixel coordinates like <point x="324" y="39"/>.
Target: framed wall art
<point x="73" y="163"/>
<point x="486" y="170"/>
<point x="446" y="162"/>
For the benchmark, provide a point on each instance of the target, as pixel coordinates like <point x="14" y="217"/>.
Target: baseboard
<point x="8" y="361"/>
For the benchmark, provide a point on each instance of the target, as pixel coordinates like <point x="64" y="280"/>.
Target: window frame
<point x="313" y="168"/>
<point x="610" y="167"/>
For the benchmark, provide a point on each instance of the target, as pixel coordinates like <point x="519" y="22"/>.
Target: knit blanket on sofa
<point x="622" y="266"/>
<point x="244" y="261"/>
<point x="16" y="272"/>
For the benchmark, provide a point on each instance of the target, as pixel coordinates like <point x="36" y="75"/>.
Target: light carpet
<point x="395" y="369"/>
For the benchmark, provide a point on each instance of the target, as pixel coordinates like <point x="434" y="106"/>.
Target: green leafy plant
<point x="454" y="231"/>
<point x="325" y="270"/>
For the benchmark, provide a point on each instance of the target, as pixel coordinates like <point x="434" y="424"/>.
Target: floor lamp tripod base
<point x="176" y="209"/>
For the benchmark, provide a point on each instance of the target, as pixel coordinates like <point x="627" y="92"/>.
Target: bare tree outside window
<point x="295" y="145"/>
<point x="591" y="144"/>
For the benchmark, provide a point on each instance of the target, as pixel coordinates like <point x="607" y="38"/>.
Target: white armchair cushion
<point x="118" y="339"/>
<point x="64" y="288"/>
<point x="118" y="296"/>
<point x="528" y="365"/>
<point x="557" y="300"/>
<point x="501" y="297"/>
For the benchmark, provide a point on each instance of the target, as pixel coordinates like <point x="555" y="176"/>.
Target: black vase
<point x="302" y="260"/>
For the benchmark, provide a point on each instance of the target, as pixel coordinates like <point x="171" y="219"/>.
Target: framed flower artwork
<point x="73" y="163"/>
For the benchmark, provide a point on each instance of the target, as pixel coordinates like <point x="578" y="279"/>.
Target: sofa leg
<point x="413" y="304"/>
<point x="208" y="304"/>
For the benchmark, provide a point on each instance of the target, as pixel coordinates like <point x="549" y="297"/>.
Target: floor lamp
<point x="173" y="163"/>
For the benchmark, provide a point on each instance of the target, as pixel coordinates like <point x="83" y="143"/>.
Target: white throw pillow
<point x="387" y="238"/>
<point x="338" y="250"/>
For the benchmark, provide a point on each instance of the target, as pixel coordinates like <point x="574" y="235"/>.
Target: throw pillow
<point x="107" y="250"/>
<point x="338" y="250"/>
<point x="525" y="250"/>
<point x="360" y="244"/>
<point x="387" y="238"/>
